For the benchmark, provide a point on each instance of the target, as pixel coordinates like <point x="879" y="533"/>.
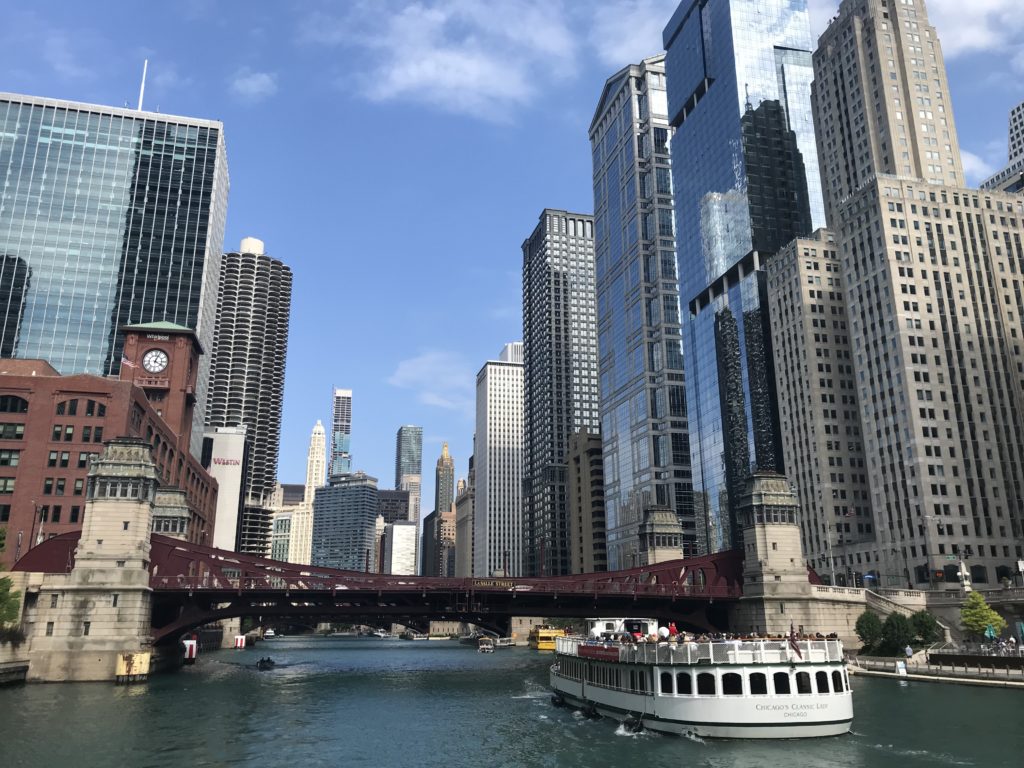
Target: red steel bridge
<point x="194" y="585"/>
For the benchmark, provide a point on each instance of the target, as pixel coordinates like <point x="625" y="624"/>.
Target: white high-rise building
<point x="316" y="461"/>
<point x="400" y="548"/>
<point x="498" y="458"/>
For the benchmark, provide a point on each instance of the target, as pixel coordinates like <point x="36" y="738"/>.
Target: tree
<point x="868" y="628"/>
<point x="897" y="633"/>
<point x="10" y="600"/>
<point x="925" y="627"/>
<point x="976" y="616"/>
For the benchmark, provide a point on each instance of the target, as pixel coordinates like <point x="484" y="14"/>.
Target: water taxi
<point x="485" y="644"/>
<point x="269" y="634"/>
<point x="751" y="688"/>
<point x="542" y="637"/>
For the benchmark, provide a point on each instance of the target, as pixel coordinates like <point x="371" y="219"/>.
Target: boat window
<point x="821" y="678"/>
<point x="732" y="684"/>
<point x="803" y="682"/>
<point x="666" y="682"/>
<point x="705" y="684"/>
<point x="837" y="681"/>
<point x="684" y="683"/>
<point x="758" y="684"/>
<point x="781" y="680"/>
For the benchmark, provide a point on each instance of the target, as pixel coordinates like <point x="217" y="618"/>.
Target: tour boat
<point x="542" y="638"/>
<point x="383" y="634"/>
<point x="781" y="688"/>
<point x="485" y="644"/>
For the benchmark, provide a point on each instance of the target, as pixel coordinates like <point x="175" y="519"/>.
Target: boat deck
<point x="704" y="653"/>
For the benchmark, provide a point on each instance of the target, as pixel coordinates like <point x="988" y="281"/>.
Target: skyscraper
<point x="341" y="433"/>
<point x="744" y="179"/>
<point x="823" y="445"/>
<point x="464" y="511"/>
<point x="393" y="505"/>
<point x="119" y="217"/>
<point x="496" y="469"/>
<point x="250" y="346"/>
<point x="409" y="465"/>
<point x="643" y="399"/>
<point x="316" y="461"/>
<point x="559" y="375"/>
<point x="344" y="523"/>
<point x="1010" y="178"/>
<point x="444" y="481"/>
<point x="587" y="507"/>
<point x="931" y="278"/>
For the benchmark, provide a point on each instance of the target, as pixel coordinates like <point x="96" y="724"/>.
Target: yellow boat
<point x="542" y="637"/>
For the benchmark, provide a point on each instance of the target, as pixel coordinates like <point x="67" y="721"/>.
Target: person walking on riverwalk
<point x="909" y="651"/>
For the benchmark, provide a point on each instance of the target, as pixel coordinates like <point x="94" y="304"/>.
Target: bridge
<point x="195" y="585"/>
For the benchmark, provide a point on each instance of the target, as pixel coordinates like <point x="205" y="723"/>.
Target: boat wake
<point x="693" y="737"/>
<point x="624" y="730"/>
<point x="921" y="754"/>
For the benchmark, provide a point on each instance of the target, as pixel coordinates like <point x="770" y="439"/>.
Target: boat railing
<point x="718" y="652"/>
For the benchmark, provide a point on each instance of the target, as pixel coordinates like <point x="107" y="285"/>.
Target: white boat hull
<point x="741" y="717"/>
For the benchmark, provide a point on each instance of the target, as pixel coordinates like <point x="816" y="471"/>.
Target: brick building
<point x="51" y="426"/>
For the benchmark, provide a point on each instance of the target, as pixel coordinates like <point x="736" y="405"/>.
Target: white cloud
<point x="976" y="168"/>
<point x="59" y="52"/>
<point x="625" y="31"/>
<point x="439" y="378"/>
<point x="821" y="12"/>
<point x="980" y="25"/>
<point x="457" y="55"/>
<point x="253" y="86"/>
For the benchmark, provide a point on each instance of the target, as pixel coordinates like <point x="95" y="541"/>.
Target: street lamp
<point x="33" y="540"/>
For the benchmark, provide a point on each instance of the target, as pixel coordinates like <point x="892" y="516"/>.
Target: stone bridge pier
<point x="93" y="623"/>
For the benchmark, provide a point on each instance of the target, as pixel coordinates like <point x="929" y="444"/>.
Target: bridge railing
<point x="320" y="583"/>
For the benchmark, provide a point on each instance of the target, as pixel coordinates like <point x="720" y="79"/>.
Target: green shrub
<point x="868" y="628"/>
<point x="925" y="627"/>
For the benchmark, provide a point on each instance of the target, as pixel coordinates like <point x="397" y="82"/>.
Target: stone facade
<point x="84" y="624"/>
<point x="778" y="596"/>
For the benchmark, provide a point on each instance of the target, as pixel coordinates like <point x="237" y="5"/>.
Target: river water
<point x="355" y="701"/>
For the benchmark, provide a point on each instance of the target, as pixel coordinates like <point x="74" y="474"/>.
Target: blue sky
<point x="396" y="154"/>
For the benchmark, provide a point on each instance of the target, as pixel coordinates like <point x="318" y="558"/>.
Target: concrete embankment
<point x="999" y="678"/>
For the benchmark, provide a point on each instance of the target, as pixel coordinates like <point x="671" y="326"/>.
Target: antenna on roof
<point x="142" y="87"/>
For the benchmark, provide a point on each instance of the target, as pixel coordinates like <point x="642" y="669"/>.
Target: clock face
<point x="155" y="360"/>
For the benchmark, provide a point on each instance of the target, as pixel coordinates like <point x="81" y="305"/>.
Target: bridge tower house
<point x="777" y="593"/>
<point x="94" y="622"/>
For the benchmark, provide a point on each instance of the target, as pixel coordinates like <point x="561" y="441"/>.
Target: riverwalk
<point x="967" y="674"/>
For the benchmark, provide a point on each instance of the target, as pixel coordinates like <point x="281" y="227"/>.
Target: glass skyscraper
<point x="108" y="217"/>
<point x="341" y="433"/>
<point x="643" y="403"/>
<point x="745" y="180"/>
<point x="409" y="465"/>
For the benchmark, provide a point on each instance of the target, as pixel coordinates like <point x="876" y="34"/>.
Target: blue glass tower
<point x="643" y="405"/>
<point x="108" y="217"/>
<point x="746" y="182"/>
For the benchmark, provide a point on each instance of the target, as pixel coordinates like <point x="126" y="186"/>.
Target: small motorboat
<point x="485" y="645"/>
<point x="265" y="663"/>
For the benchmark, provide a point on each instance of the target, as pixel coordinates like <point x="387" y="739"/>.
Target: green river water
<point x="370" y="702"/>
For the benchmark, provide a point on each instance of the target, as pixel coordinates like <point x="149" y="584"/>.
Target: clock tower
<point x="163" y="359"/>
